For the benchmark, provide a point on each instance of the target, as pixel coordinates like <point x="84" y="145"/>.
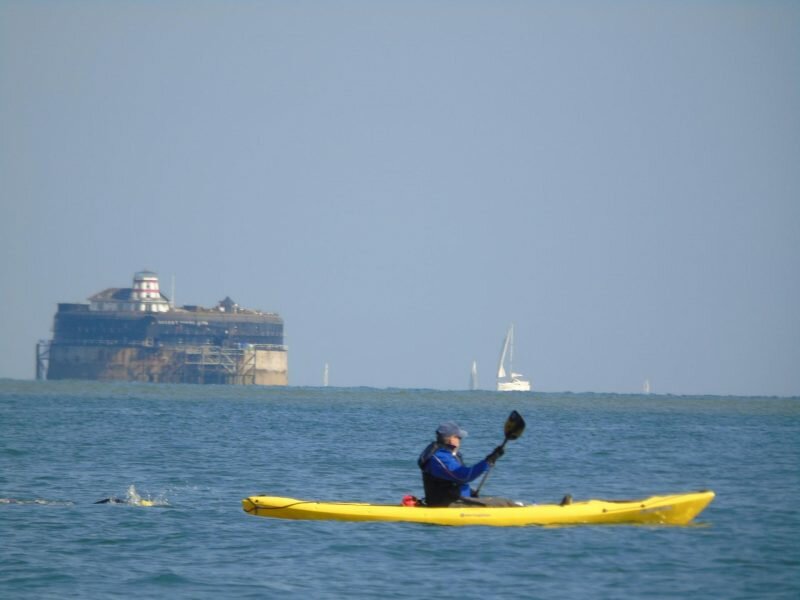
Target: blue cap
<point x="448" y="429"/>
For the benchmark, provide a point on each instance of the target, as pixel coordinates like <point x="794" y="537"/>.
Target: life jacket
<point x="438" y="492"/>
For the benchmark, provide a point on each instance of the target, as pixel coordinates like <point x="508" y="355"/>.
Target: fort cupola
<point x="146" y="295"/>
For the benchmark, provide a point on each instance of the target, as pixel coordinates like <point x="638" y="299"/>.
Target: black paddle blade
<point x="514" y="426"/>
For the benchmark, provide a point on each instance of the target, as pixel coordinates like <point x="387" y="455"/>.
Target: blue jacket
<point x="446" y="464"/>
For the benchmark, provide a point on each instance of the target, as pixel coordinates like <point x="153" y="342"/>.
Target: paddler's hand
<point x="496" y="453"/>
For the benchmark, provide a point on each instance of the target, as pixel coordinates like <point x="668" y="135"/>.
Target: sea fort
<point x="137" y="334"/>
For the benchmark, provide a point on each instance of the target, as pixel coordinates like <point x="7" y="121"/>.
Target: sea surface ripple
<point x="179" y="458"/>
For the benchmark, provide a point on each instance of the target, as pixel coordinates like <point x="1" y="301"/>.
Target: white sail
<point x="325" y="376"/>
<point x="515" y="382"/>
<point x="473" y="378"/>
<point x="501" y="371"/>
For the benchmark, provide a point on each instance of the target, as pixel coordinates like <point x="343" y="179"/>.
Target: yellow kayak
<point x="676" y="509"/>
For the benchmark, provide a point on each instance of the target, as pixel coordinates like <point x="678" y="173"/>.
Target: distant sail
<point x="325" y="376"/>
<point x="646" y="386"/>
<point x="501" y="371"/>
<point x="473" y="379"/>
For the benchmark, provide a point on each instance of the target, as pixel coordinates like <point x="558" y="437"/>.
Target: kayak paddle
<point x="513" y="428"/>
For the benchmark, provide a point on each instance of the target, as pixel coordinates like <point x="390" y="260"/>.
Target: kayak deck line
<point x="253" y="506"/>
<point x="674" y="509"/>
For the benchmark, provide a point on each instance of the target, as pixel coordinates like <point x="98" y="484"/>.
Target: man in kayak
<point x="445" y="476"/>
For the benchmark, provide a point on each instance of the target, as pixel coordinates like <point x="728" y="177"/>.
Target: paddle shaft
<point x="478" y="491"/>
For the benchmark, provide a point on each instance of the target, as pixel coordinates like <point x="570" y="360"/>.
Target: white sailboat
<point x="507" y="380"/>
<point x="325" y="376"/>
<point x="473" y="376"/>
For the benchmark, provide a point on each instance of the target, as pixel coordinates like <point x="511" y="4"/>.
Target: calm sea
<point x="195" y="451"/>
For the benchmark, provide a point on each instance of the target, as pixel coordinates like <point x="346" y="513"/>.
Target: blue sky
<point x="402" y="180"/>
